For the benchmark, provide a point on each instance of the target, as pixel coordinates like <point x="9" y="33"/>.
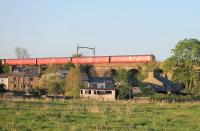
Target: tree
<point x="52" y="69"/>
<point x="184" y="64"/>
<point x="1" y="68"/>
<point x="125" y="80"/>
<point x="77" y="55"/>
<point x="121" y="79"/>
<point x="53" y="83"/>
<point x="68" y="66"/>
<point x="87" y="68"/>
<point x="74" y="82"/>
<point x="4" y="68"/>
<point x="21" y="52"/>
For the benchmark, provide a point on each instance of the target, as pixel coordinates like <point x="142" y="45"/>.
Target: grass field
<point x="89" y="115"/>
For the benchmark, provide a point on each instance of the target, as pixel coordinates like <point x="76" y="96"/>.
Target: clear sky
<point x="115" y="27"/>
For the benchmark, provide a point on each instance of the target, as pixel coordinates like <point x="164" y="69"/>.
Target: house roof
<point x="63" y="71"/>
<point x="101" y="79"/>
<point x="101" y="89"/>
<point x="25" y="74"/>
<point x="5" y="75"/>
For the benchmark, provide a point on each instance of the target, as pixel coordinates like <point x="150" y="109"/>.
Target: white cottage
<point x="4" y="80"/>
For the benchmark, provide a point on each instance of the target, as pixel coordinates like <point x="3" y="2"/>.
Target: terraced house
<point x="22" y="81"/>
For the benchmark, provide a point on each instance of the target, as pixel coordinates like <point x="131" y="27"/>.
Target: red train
<point x="81" y="60"/>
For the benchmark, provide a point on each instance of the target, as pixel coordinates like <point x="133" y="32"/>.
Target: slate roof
<point x="101" y="79"/>
<point x="25" y="74"/>
<point x="5" y="75"/>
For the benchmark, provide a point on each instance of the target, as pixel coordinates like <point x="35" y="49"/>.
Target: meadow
<point x="27" y="115"/>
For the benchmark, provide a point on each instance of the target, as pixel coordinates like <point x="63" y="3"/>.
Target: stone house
<point x="99" y="88"/>
<point x="101" y="82"/>
<point x="23" y="81"/>
<point x="99" y="94"/>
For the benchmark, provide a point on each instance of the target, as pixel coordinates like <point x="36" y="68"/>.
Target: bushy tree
<point x="184" y="64"/>
<point x="121" y="77"/>
<point x="86" y="68"/>
<point x="52" y="69"/>
<point x="126" y="80"/>
<point x="150" y="67"/>
<point x="122" y="83"/>
<point x="77" y="55"/>
<point x="68" y="66"/>
<point x="53" y="83"/>
<point x="4" y="68"/>
<point x="1" y="68"/>
<point x="73" y="82"/>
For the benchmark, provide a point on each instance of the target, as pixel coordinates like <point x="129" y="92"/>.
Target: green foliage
<point x="86" y="68"/>
<point x="125" y="91"/>
<point x="184" y="64"/>
<point x="73" y="82"/>
<point x="132" y="77"/>
<point x="148" y="92"/>
<point x="4" y="68"/>
<point x="35" y="114"/>
<point x="174" y="98"/>
<point x="150" y="67"/>
<point x="37" y="91"/>
<point x="1" y="68"/>
<point x="53" y="83"/>
<point x="77" y="55"/>
<point x="125" y="81"/>
<point x="121" y="77"/>
<point x="52" y="69"/>
<point x="68" y="66"/>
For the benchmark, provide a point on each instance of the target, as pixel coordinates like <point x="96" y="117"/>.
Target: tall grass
<point x="36" y="114"/>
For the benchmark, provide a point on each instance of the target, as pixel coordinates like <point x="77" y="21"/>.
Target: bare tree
<point x="21" y="52"/>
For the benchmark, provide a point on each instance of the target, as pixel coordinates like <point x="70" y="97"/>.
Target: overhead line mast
<point x="85" y="47"/>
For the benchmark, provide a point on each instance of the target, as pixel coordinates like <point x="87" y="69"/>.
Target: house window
<point x="81" y="91"/>
<point x="95" y="92"/>
<point x="88" y="92"/>
<point x="15" y="86"/>
<point x="100" y="92"/>
<point x="31" y="79"/>
<point x="14" y="78"/>
<point x="23" y="86"/>
<point x="108" y="92"/>
<point x="104" y="92"/>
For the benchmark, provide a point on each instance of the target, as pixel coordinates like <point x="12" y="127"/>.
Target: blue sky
<point x="115" y="27"/>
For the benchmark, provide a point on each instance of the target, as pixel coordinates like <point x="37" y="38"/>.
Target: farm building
<point x="99" y="94"/>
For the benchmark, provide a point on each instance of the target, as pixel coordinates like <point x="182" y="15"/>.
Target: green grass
<point x="70" y="115"/>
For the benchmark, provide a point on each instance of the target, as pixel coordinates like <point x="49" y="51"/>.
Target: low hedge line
<point x="175" y="98"/>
